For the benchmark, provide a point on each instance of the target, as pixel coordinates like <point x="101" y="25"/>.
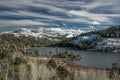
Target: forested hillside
<point x="111" y="32"/>
<point x="90" y="40"/>
<point x="27" y="41"/>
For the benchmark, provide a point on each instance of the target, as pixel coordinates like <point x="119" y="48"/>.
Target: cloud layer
<point x="50" y="12"/>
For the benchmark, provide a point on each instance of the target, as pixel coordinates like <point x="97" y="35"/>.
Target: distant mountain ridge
<point x="50" y="32"/>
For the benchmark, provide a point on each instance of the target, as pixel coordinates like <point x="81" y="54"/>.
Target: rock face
<point x="36" y="69"/>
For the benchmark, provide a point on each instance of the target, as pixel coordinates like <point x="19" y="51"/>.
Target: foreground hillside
<point x="43" y="68"/>
<point x="63" y="71"/>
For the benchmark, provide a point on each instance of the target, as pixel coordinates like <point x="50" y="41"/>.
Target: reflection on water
<point x="91" y="59"/>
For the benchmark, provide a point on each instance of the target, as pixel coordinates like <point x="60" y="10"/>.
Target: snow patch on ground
<point x="110" y="44"/>
<point x="24" y="31"/>
<point x="89" y="37"/>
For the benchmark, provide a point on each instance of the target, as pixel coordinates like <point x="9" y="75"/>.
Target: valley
<point x="26" y="56"/>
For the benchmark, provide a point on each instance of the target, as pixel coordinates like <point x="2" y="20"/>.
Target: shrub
<point x="28" y="67"/>
<point x="2" y="75"/>
<point x="62" y="72"/>
<point x="114" y="66"/>
<point x="119" y="71"/>
<point x="52" y="63"/>
<point x="19" y="60"/>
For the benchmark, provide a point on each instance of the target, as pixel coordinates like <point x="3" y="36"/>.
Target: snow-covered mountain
<point x="50" y="32"/>
<point x="24" y="31"/>
<point x="89" y="37"/>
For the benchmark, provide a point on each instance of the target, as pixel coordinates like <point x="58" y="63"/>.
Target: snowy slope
<point x="24" y="31"/>
<point x="89" y="37"/>
<point x="109" y="43"/>
<point x="106" y="44"/>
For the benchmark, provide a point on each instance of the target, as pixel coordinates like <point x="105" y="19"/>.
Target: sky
<point x="60" y="13"/>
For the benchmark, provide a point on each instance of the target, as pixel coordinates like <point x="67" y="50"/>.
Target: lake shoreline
<point x="101" y="60"/>
<point x="72" y="48"/>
